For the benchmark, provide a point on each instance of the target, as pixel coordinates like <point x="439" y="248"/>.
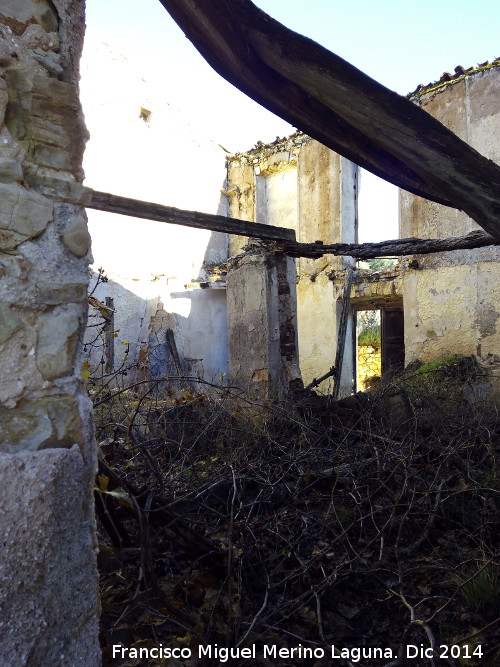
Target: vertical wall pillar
<point x="48" y="579"/>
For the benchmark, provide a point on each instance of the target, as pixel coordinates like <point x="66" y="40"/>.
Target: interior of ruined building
<point x="222" y="310"/>
<point x="294" y="183"/>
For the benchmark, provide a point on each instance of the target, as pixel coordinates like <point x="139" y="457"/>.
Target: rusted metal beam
<point x="340" y="106"/>
<point x="104" y="201"/>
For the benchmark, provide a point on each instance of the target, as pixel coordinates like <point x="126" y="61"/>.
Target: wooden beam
<point x="284" y="238"/>
<point x="340" y="106"/>
<point x="104" y="201"/>
<point x="342" y="332"/>
<point x="317" y="381"/>
<point x="395" y="248"/>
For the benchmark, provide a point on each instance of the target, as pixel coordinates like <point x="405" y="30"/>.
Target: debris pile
<point x="318" y="524"/>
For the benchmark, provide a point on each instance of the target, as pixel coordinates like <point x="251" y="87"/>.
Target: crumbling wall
<point x="139" y="147"/>
<point x="452" y="299"/>
<point x="48" y="582"/>
<point x="262" y="335"/>
<point x="299" y="184"/>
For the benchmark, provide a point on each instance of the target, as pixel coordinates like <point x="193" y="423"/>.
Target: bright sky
<point x="397" y="42"/>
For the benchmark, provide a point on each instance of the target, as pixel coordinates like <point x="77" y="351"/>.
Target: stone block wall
<point x="369" y="365"/>
<point x="48" y="583"/>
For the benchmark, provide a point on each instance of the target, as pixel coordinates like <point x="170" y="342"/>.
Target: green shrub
<point x="370" y="336"/>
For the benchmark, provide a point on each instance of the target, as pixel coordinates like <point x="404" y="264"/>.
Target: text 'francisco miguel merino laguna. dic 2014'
<point x="273" y="652"/>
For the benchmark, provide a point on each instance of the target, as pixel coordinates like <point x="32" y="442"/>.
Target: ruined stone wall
<point x="452" y="299"/>
<point x="48" y="582"/>
<point x="369" y="365"/>
<point x="300" y="184"/>
<point x="143" y="145"/>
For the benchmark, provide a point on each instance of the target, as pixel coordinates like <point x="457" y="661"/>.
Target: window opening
<point x="378" y="217"/>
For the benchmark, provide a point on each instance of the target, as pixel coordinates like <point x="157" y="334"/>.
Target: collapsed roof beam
<point x="344" y="109"/>
<point x="284" y="238"/>
<point x="104" y="201"/>
<point x="395" y="248"/>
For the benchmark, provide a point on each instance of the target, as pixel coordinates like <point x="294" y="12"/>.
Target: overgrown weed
<point x="366" y="522"/>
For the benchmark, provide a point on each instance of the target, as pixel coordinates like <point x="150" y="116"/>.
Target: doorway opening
<point x="379" y="344"/>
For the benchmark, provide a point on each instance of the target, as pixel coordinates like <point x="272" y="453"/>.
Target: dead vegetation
<point x="369" y="522"/>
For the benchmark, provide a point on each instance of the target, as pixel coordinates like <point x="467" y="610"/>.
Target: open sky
<point x="398" y="43"/>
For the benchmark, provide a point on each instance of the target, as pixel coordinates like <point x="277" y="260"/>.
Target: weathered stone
<point x="57" y="338"/>
<point x="10" y="171"/>
<point x="40" y="424"/>
<point x="53" y="294"/>
<point x="62" y="189"/>
<point x="369" y="365"/>
<point x="9" y="322"/>
<point x="48" y="583"/>
<point x="18" y="14"/>
<point x="23" y="215"/>
<point x="5" y="53"/>
<point x="51" y="156"/>
<point x="4" y="98"/>
<point x="50" y="129"/>
<point x="55" y="93"/>
<point x="28" y="88"/>
<point x="14" y="266"/>
<point x="49" y="60"/>
<point x="77" y="238"/>
<point x="43" y="115"/>
<point x="24" y="428"/>
<point x="10" y="148"/>
<point x="20" y="374"/>
<point x="36" y="37"/>
<point x="253" y="323"/>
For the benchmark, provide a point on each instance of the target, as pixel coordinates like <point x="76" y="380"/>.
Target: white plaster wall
<point x="204" y="333"/>
<point x="160" y="158"/>
<point x="277" y="198"/>
<point x="316" y="326"/>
